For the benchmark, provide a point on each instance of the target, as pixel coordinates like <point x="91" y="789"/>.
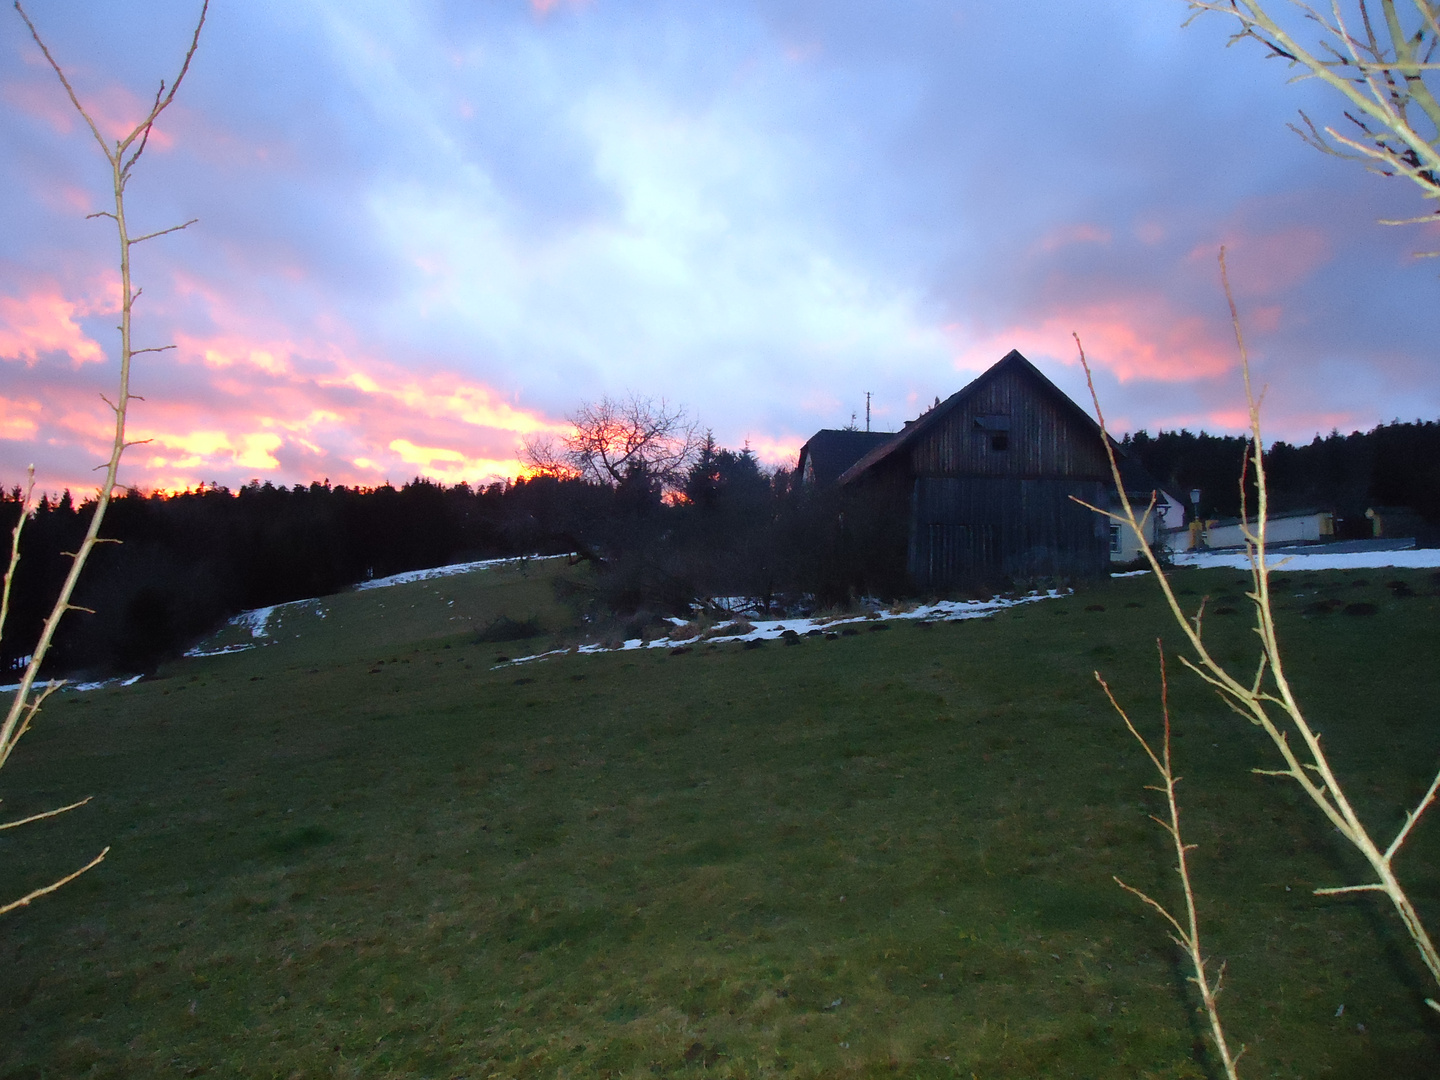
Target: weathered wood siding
<point x="974" y="529"/>
<point x="1042" y="440"/>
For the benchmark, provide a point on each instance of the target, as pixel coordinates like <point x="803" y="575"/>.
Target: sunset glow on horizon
<point x="426" y="233"/>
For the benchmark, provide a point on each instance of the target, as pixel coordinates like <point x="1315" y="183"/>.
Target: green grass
<point x="884" y="855"/>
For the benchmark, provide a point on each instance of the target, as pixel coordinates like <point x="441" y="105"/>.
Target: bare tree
<point x="1380" y="56"/>
<point x="617" y="438"/>
<point x="1266" y="698"/>
<point x="122" y="156"/>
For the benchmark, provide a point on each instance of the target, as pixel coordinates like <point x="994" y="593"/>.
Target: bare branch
<point x="161" y="232"/>
<point x="1385" y="76"/>
<point x="104" y="149"/>
<point x="1411" y="817"/>
<point x="1188" y="935"/>
<point x="31" y="896"/>
<point x="24" y="513"/>
<point x="1349" y="889"/>
<point x="1179" y="930"/>
<point x="47" y="814"/>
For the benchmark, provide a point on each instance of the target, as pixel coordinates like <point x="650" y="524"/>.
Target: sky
<point x="429" y="230"/>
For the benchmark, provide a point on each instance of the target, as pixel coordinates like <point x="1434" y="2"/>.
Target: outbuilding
<point x="992" y="474"/>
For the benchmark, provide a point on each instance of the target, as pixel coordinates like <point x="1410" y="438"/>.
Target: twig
<point x="1383" y="81"/>
<point x="1188" y="935"/>
<point x="47" y="814"/>
<point x="24" y="509"/>
<point x="25" y="900"/>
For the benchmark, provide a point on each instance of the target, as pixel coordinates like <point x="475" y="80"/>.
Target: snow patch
<point x="448" y="571"/>
<point x="1411" y="559"/>
<point x="773" y="629"/>
<point x="99" y="685"/>
<point x="257" y="622"/>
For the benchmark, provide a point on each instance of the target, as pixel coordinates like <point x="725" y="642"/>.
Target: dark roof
<point x="831" y="451"/>
<point x="1135" y="476"/>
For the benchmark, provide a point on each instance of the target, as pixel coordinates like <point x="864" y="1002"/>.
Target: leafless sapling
<point x="121" y="154"/>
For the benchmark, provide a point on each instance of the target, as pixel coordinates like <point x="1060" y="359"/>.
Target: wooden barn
<point x="989" y="475"/>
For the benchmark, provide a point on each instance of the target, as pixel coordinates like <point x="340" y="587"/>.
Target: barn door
<point x="959" y="553"/>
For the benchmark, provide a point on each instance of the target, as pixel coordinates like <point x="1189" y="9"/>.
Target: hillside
<point x="370" y="848"/>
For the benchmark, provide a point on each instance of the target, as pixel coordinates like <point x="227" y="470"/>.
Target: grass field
<point x="365" y="850"/>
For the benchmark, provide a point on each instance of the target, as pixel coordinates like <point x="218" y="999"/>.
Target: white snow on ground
<point x="257" y="622"/>
<point x="769" y="630"/>
<point x="101" y="685"/>
<point x="447" y="571"/>
<point x="1413" y="559"/>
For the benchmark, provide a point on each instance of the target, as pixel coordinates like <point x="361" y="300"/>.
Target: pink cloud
<point x="115" y="109"/>
<point x="45" y="101"/>
<point x="43" y="322"/>
<point x="782" y="451"/>
<point x="1269" y="262"/>
<point x="1150" y="232"/>
<point x="1066" y="235"/>
<point x="1136" y="337"/>
<point x="230" y="407"/>
<point x="18" y="419"/>
<point x="451" y="466"/>
<point x="544" y="7"/>
<point x="247" y="402"/>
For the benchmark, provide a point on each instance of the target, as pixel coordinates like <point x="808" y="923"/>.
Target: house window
<point x="1114" y="539"/>
<point x="1000" y="442"/>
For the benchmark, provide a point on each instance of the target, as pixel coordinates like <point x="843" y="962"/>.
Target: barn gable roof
<point x="927" y="421"/>
<point x="1136" y="478"/>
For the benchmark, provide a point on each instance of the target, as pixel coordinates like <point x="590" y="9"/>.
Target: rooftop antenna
<point x="867" y="410"/>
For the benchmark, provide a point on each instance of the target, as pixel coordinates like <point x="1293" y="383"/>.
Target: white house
<point x="1310" y="526"/>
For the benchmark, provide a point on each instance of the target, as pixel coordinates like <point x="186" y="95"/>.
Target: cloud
<point x="451" y="466"/>
<point x="782" y="452"/>
<point x="115" y="109"/>
<point x="18" y="419"/>
<point x="484" y="215"/>
<point x="1066" y="235"/>
<point x="1136" y="337"/>
<point x="544" y="7"/>
<point x="42" y="322"/>
<point x="1271" y="261"/>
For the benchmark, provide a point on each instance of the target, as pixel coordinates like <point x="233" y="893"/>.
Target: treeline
<point x="187" y="561"/>
<point x="1395" y="464"/>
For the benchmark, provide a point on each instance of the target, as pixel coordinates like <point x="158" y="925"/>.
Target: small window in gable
<point x="996" y="428"/>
